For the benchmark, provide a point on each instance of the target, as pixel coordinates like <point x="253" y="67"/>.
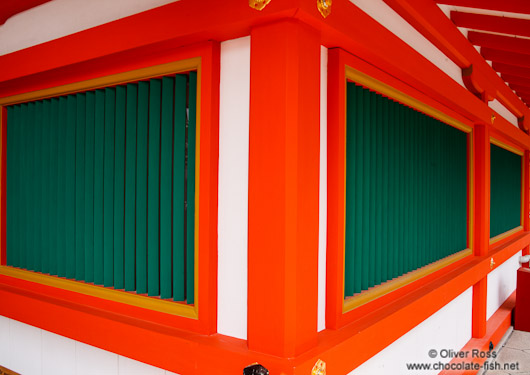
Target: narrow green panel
<point x="80" y="187"/>
<point x="141" y="187"/>
<point x="505" y="198"/>
<point x="190" y="189"/>
<point x="89" y="186"/>
<point x="108" y="188"/>
<point x="12" y="201"/>
<point x="24" y="196"/>
<point x="372" y="189"/>
<point x="99" y="167"/>
<point x="32" y="230"/>
<point x="179" y="185"/>
<point x="45" y="196"/>
<point x="130" y="186"/>
<point x="378" y="189"/>
<point x="70" y="191"/>
<point x="119" y="188"/>
<point x="54" y="188"/>
<point x="166" y="150"/>
<point x="61" y="184"/>
<point x="153" y="189"/>
<point x="349" y="224"/>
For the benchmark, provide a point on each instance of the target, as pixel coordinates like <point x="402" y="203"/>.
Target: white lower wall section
<point x="323" y="189"/>
<point x="502" y="282"/>
<point x="58" y="18"/>
<point x="32" y="351"/>
<point x="449" y="328"/>
<point x="234" y="109"/>
<point x="504" y="112"/>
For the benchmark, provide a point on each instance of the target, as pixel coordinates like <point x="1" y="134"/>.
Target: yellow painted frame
<point x="369" y="82"/>
<point x="151" y="303"/>
<point x="519" y="228"/>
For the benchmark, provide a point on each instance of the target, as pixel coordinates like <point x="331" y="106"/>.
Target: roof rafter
<point x="500" y="42"/>
<point x="515" y="6"/>
<point x="512" y="58"/>
<point x="504" y="25"/>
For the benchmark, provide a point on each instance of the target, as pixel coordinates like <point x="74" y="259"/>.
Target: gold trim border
<point x="503" y="145"/>
<point x="151" y="303"/>
<point x="380" y="290"/>
<point x="369" y="82"/>
<point x="505" y="234"/>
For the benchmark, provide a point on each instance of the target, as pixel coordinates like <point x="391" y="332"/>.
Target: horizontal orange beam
<point x="513" y="58"/>
<point x="499" y="42"/>
<point x="515" y="6"/>
<point x="505" y="25"/>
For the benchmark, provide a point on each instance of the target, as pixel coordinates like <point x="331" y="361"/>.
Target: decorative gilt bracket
<point x="324" y="7"/>
<point x="258" y="4"/>
<point x="319" y="368"/>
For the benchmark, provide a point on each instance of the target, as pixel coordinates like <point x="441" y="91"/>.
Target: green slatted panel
<point x="99" y="167"/>
<point x="190" y="189"/>
<point x="89" y="186"/>
<point x="406" y="190"/>
<point x="505" y="190"/>
<point x="153" y="190"/>
<point x="119" y="188"/>
<point x="130" y="186"/>
<point x="179" y="163"/>
<point x="106" y="186"/>
<point x="166" y="150"/>
<point x="141" y="188"/>
<point x="80" y="187"/>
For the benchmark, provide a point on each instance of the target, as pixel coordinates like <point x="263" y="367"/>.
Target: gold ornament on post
<point x="258" y="4"/>
<point x="319" y="368"/>
<point x="324" y="7"/>
<point x="493" y="118"/>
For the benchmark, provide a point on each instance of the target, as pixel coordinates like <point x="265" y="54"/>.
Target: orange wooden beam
<point x="515" y="6"/>
<point x="499" y="42"/>
<point x="283" y="188"/>
<point x="512" y="58"/>
<point x="486" y="22"/>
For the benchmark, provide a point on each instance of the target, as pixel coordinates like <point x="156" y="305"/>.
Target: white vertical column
<point x="233" y="188"/>
<point x="323" y="189"/>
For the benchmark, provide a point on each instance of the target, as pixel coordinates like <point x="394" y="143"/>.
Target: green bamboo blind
<point x="101" y="186"/>
<point x="406" y="190"/>
<point x="505" y="195"/>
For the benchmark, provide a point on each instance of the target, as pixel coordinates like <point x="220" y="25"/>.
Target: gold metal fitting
<point x="324" y="7"/>
<point x="492" y="263"/>
<point x="319" y="368"/>
<point x="258" y="4"/>
<point x="493" y="118"/>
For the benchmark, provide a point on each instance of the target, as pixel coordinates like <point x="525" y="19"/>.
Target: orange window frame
<point x="121" y="306"/>
<point x="344" y="67"/>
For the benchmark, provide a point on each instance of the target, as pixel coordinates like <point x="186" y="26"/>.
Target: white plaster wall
<point x="386" y="16"/>
<point x="448" y="328"/>
<point x="504" y="112"/>
<point x="233" y="188"/>
<point x="59" y="18"/>
<point x="502" y="282"/>
<point x="32" y="351"/>
<point x="323" y="189"/>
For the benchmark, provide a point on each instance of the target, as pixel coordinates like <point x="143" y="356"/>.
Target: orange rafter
<point x="505" y="25"/>
<point x="512" y="58"/>
<point x="499" y="42"/>
<point x="511" y="69"/>
<point x="515" y="6"/>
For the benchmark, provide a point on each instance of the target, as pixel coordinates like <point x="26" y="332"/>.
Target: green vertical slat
<point x="11" y="187"/>
<point x="365" y="218"/>
<point x="70" y="188"/>
<point x="371" y="188"/>
<point x="141" y="188"/>
<point x="179" y="153"/>
<point x="357" y="149"/>
<point x="61" y="184"/>
<point x="166" y="149"/>
<point x="130" y="186"/>
<point x="89" y="186"/>
<point x="80" y="187"/>
<point x="378" y="189"/>
<point x="190" y="190"/>
<point x="26" y="143"/>
<point x="32" y="180"/>
<point x="45" y="189"/>
<point x="349" y="224"/>
<point x="108" y="188"/>
<point x="119" y="187"/>
<point x="54" y="188"/>
<point x="99" y="167"/>
<point x="153" y="189"/>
